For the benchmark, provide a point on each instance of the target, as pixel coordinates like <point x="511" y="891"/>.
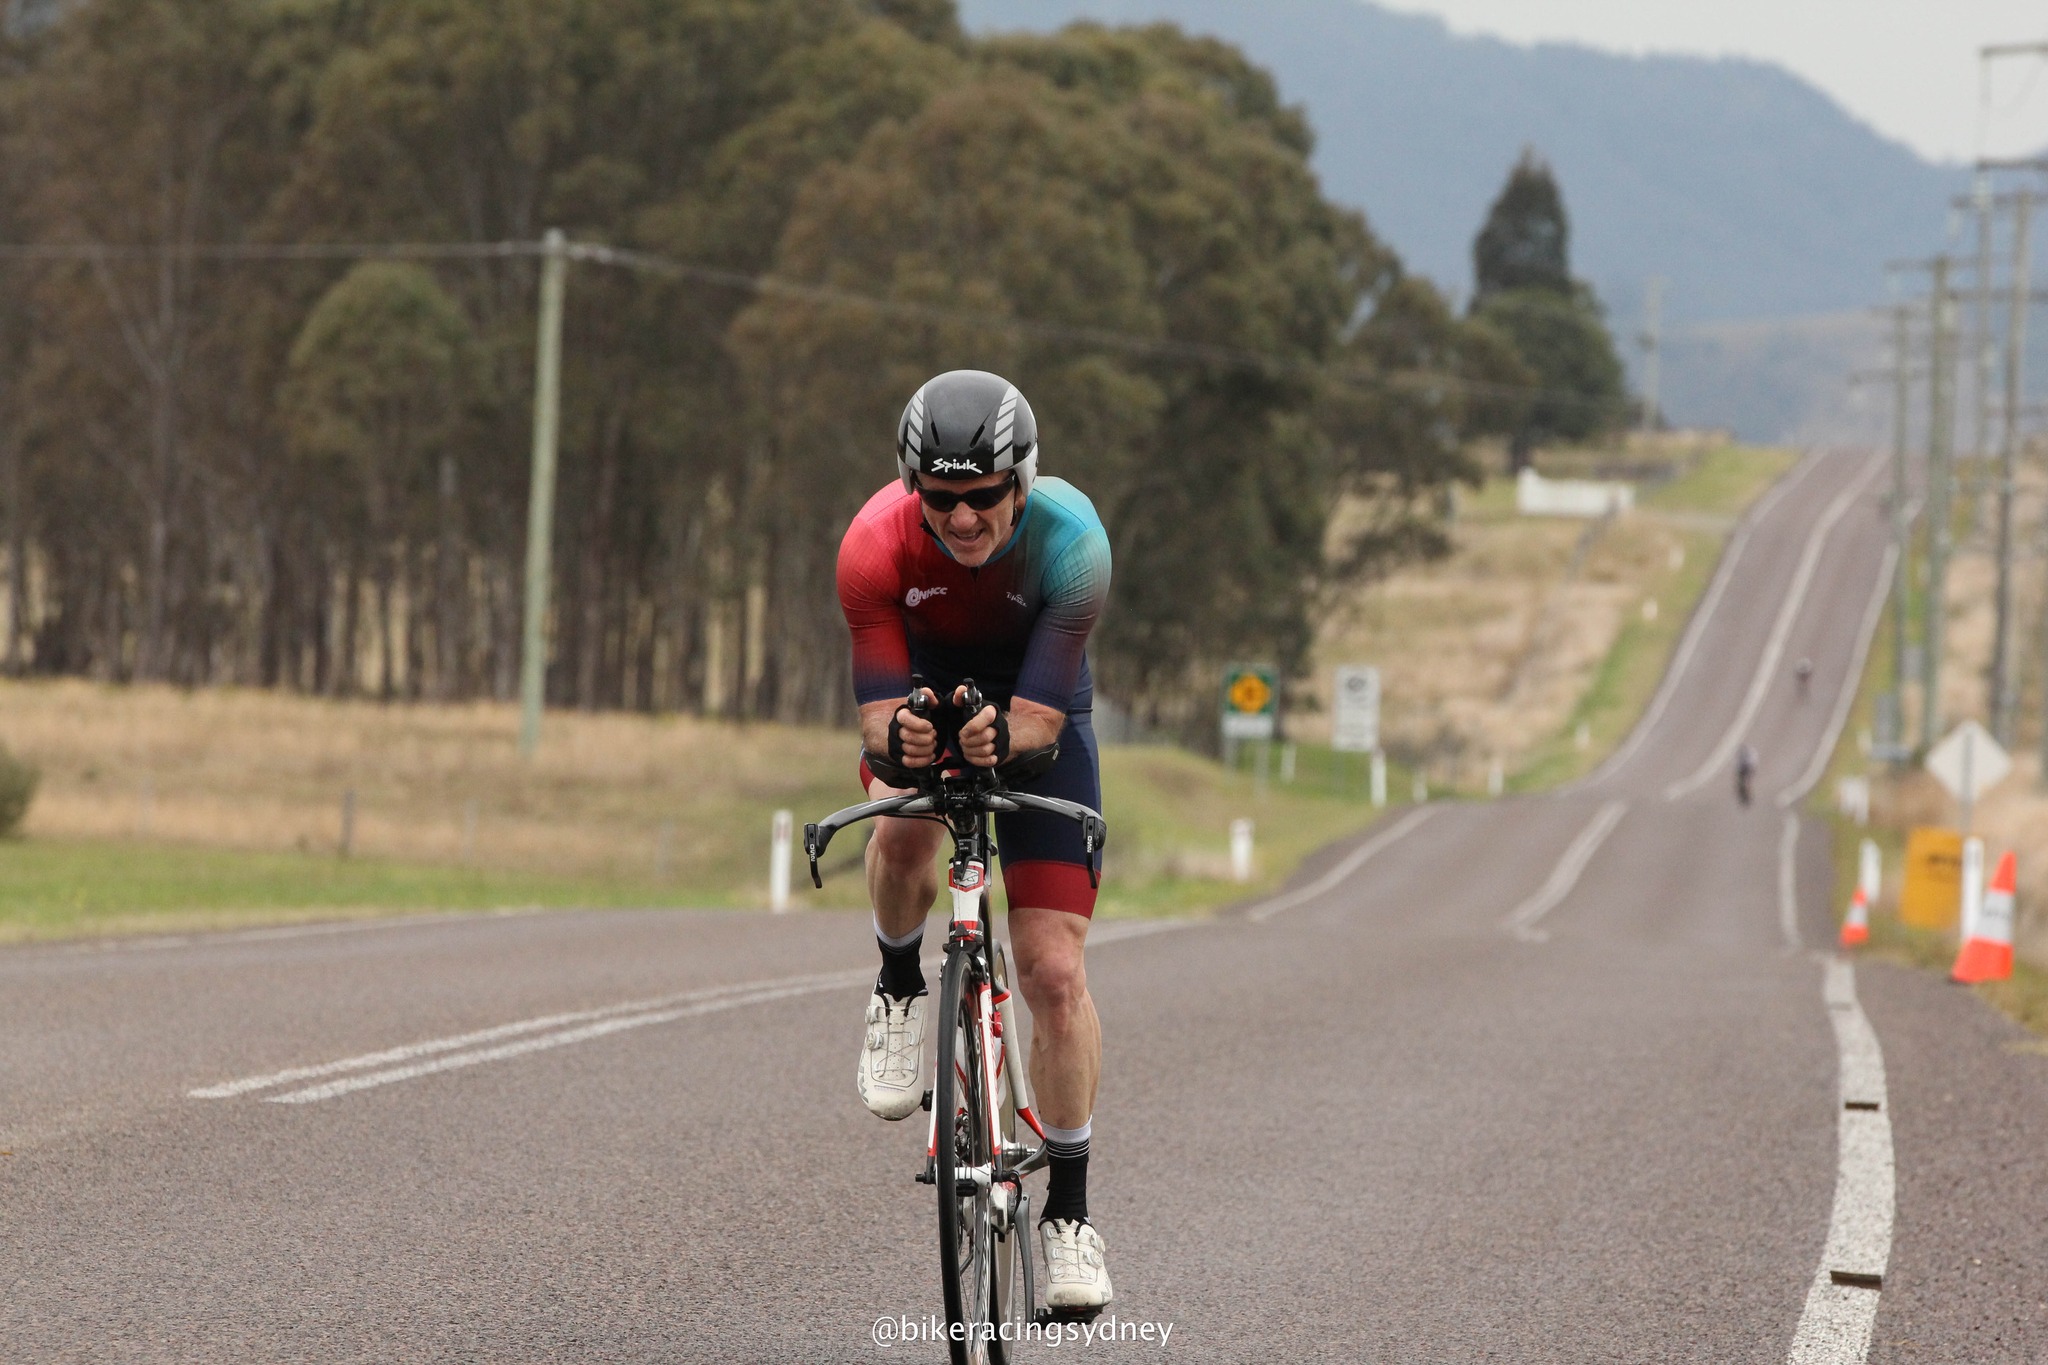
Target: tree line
<point x="223" y="462"/>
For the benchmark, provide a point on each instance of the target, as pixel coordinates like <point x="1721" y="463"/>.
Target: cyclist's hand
<point x="916" y="738"/>
<point x="984" y="738"/>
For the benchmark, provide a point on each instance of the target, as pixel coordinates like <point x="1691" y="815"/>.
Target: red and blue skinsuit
<point x="1018" y="625"/>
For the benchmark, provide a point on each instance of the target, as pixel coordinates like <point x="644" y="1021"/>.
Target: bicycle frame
<point x="994" y="1022"/>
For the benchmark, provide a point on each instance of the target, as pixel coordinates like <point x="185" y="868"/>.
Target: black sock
<point x="1066" y="1190"/>
<point x="902" y="974"/>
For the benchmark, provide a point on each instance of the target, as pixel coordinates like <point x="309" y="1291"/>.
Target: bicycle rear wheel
<point x="966" y="1226"/>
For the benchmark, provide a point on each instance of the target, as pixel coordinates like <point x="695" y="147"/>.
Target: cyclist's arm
<point x="1076" y="586"/>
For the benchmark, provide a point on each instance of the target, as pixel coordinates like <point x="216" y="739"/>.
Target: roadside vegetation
<point x="2012" y="816"/>
<point x="165" y="809"/>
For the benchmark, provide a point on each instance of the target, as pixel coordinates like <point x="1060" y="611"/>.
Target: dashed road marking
<point x="1521" y="921"/>
<point x="462" y="1049"/>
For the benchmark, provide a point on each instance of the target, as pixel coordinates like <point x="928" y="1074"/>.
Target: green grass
<point x="1169" y="814"/>
<point x="63" y="888"/>
<point x="1723" y="483"/>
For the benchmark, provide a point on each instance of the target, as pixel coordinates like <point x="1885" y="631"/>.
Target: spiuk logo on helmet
<point x="966" y="423"/>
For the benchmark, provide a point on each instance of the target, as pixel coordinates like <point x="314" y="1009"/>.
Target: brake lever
<point x="811" y="851"/>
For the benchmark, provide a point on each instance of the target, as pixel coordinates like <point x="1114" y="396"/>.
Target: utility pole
<point x="540" y="504"/>
<point x="1652" y="340"/>
<point x="1983" y="354"/>
<point x="1940" y="473"/>
<point x="1902" y="524"/>
<point x="2004" y="696"/>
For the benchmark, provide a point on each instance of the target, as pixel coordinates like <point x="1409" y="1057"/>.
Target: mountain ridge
<point x="1749" y="190"/>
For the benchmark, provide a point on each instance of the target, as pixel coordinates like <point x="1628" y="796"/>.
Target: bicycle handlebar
<point x="979" y="792"/>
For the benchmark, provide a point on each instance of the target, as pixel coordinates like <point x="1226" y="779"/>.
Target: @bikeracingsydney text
<point x="892" y="1328"/>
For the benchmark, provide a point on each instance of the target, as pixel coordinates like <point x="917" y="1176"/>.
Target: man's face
<point x="970" y="534"/>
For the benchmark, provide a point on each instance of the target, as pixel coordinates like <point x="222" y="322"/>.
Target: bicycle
<point x="979" y="1087"/>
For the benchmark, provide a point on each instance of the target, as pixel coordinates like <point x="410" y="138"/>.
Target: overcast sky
<point x="1907" y="67"/>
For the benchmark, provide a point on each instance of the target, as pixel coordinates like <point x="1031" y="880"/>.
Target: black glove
<point x="1002" y="734"/>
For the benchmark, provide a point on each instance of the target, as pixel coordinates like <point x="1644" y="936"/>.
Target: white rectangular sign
<point x="1355" y="719"/>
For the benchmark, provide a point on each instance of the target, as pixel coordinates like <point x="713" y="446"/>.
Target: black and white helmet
<point x="966" y="423"/>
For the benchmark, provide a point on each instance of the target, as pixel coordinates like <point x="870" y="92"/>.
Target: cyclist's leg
<point x="903" y="878"/>
<point x="902" y="886"/>
<point x="1045" y="875"/>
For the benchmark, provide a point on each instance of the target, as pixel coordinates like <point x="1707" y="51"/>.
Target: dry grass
<point x="1489" y="653"/>
<point x="163" y="807"/>
<point x="240" y="769"/>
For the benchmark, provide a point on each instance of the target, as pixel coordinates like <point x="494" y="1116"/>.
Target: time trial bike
<point x="976" y="1153"/>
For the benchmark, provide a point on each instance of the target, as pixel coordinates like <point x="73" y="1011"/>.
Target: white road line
<point x="1788" y="882"/>
<point x="432" y="1046"/>
<point x="1767" y="665"/>
<point x="1841" y="1304"/>
<point x="1354" y="860"/>
<point x="557" y="1030"/>
<point x="1697" y="626"/>
<point x="1521" y="921"/>
<point x="602" y="1028"/>
<point x="1847" y="697"/>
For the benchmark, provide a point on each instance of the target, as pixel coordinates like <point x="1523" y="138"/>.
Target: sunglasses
<point x="980" y="499"/>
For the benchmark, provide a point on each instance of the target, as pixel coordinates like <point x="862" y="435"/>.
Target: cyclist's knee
<point x="1050" y="971"/>
<point x="905" y="845"/>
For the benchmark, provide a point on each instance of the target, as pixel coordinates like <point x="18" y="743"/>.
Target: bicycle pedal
<point x="926" y="1103"/>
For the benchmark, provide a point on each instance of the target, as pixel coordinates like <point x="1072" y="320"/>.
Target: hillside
<point x="1750" y="191"/>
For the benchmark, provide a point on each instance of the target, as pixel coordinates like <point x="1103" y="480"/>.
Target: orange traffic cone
<point x="1987" y="953"/>
<point x="1856" y="928"/>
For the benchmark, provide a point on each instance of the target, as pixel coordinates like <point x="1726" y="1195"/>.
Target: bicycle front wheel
<point x="964" y="1164"/>
<point x="1010" y="1304"/>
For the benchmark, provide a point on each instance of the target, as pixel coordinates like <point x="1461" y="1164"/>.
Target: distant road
<point x="1555" y="1078"/>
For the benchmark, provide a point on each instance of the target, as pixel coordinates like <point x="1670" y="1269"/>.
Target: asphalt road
<point x="1546" y="1079"/>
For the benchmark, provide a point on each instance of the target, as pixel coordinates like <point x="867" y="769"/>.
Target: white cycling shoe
<point x="1077" y="1278"/>
<point x="892" y="1056"/>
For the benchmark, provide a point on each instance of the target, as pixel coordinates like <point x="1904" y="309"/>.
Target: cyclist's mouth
<point x="967" y="542"/>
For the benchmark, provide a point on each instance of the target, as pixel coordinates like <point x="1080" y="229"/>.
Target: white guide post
<point x="778" y="861"/>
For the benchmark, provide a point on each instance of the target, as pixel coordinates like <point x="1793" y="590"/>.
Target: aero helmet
<point x="967" y="423"/>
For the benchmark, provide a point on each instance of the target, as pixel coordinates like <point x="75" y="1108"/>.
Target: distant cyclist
<point x="1802" y="672"/>
<point x="968" y="565"/>
<point x="1745" y="772"/>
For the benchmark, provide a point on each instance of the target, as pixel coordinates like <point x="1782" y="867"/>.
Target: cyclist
<point x="1745" y="772"/>
<point x="969" y="565"/>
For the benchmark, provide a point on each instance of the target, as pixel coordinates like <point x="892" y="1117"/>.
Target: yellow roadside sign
<point x="1250" y="693"/>
<point x="1931" y="895"/>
